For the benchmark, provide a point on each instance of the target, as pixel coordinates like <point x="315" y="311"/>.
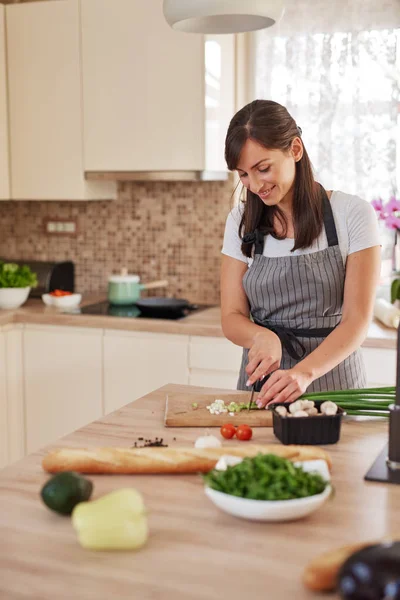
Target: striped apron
<point x="300" y="297"/>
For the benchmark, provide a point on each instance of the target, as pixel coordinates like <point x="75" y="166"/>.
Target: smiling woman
<point x="300" y="264"/>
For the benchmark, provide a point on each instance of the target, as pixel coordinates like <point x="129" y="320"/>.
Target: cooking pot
<point x="124" y="289"/>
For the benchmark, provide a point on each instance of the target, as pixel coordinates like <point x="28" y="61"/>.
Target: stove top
<point x="131" y="311"/>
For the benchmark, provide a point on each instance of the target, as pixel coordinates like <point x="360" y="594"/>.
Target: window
<point x="342" y="87"/>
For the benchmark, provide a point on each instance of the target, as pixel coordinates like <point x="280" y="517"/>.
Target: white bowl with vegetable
<point x="314" y="474"/>
<point x="16" y="282"/>
<point x="13" y="297"/>
<point x="68" y="300"/>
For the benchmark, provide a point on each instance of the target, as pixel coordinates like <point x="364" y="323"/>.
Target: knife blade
<point x="251" y="397"/>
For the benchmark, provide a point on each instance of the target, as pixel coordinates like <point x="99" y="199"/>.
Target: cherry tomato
<point x="60" y="293"/>
<point x="244" y="433"/>
<point x="228" y="431"/>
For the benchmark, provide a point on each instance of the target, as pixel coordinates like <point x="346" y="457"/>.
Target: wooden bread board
<point x="179" y="411"/>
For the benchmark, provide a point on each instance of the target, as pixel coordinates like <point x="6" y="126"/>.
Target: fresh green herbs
<point x="266" y="477"/>
<point x="15" y="276"/>
<point x="238" y="406"/>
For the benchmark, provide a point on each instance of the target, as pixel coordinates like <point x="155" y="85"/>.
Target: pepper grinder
<point x="386" y="467"/>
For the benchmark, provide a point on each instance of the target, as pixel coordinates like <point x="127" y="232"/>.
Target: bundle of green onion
<point x="366" y="402"/>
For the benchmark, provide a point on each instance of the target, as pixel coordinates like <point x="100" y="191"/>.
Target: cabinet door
<point x="380" y="365"/>
<point x="214" y="362"/>
<point x="63" y="381"/>
<point x="4" y="163"/>
<point x="15" y="392"/>
<point x="143" y="89"/>
<point x="135" y="363"/>
<point x="3" y="403"/>
<point x="45" y="103"/>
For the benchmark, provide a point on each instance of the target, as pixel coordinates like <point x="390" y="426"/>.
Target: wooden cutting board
<point x="179" y="411"/>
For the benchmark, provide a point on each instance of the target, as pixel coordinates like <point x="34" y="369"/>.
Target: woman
<point x="300" y="265"/>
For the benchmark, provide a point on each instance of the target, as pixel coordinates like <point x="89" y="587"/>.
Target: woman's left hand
<point x="284" y="385"/>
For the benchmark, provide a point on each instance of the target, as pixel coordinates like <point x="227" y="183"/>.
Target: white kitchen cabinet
<point x="3" y="403"/>
<point x="45" y="103"/>
<point x="63" y="381"/>
<point x="12" y="424"/>
<point x="143" y="89"/>
<point x="214" y="362"/>
<point x="135" y="363"/>
<point x="380" y="366"/>
<point x="4" y="160"/>
<point x="13" y="336"/>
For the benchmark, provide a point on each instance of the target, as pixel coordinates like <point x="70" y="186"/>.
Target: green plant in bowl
<point x="16" y="276"/>
<point x="16" y="282"/>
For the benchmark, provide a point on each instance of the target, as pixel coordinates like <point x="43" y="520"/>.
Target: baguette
<point x="321" y="573"/>
<point x="164" y="460"/>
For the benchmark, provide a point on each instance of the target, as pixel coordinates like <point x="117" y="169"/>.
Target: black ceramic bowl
<point x="316" y="430"/>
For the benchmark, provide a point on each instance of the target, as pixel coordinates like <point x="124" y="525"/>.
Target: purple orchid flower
<point x="379" y="208"/>
<point x="392" y="222"/>
<point x="392" y="206"/>
<point x="377" y="203"/>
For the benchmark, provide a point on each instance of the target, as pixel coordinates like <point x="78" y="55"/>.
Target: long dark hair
<point x="270" y="124"/>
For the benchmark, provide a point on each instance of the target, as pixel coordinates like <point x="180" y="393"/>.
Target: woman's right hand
<point x="265" y="356"/>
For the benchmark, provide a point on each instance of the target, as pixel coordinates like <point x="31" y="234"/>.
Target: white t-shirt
<point x="356" y="226"/>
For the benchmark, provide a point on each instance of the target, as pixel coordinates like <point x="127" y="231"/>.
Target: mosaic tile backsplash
<point x="158" y="230"/>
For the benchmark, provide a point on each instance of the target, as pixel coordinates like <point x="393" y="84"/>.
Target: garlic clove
<point x="207" y="441"/>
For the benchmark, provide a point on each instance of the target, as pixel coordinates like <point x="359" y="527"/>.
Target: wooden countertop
<point x="194" y="551"/>
<point x="204" y="323"/>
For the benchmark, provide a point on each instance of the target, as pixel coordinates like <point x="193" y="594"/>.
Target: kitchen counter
<point x="204" y="323"/>
<point x="194" y="550"/>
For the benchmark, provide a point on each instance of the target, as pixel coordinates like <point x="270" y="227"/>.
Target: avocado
<point x="65" y="490"/>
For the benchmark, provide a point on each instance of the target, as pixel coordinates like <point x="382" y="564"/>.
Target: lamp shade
<point x="222" y="16"/>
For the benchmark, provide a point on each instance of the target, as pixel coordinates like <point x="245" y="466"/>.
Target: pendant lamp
<point x="222" y="16"/>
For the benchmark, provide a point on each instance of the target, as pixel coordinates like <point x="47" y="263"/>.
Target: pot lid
<point x="124" y="277"/>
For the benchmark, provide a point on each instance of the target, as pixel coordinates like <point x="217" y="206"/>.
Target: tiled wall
<point x="159" y="230"/>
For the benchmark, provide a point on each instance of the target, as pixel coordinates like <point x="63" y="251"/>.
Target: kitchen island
<point x="194" y="550"/>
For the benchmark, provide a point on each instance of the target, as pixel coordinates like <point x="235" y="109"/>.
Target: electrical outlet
<point x="60" y="226"/>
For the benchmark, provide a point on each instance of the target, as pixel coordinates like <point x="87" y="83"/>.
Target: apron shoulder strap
<point x="329" y="222"/>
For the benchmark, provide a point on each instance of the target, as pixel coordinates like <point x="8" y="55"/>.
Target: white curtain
<point x="338" y="73"/>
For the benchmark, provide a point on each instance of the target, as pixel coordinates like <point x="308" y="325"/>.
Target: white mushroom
<point x="311" y="411"/>
<point x="281" y="410"/>
<point x="307" y="404"/>
<point x="329" y="408"/>
<point x="300" y="413"/>
<point x="295" y="406"/>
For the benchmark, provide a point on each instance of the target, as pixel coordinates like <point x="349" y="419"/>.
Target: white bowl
<point x="69" y="301"/>
<point x="274" y="510"/>
<point x="13" y="297"/>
